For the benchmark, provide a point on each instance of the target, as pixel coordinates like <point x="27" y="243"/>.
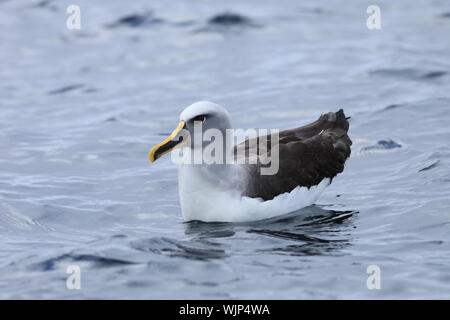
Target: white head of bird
<point x="203" y="129"/>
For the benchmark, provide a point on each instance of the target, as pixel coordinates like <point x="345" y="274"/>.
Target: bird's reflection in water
<point x="310" y="231"/>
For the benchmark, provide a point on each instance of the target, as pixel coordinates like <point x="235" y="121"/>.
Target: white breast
<point x="202" y="199"/>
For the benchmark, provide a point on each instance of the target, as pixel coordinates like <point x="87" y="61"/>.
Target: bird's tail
<point x="341" y="121"/>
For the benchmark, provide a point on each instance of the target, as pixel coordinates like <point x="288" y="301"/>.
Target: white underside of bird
<point x="204" y="201"/>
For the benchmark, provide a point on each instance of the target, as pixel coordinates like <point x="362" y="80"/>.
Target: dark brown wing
<point x="307" y="155"/>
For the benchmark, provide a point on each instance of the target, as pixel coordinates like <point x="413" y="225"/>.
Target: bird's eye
<point x="201" y="118"/>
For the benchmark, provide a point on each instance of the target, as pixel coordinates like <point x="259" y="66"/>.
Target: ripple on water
<point x="137" y="20"/>
<point x="387" y="144"/>
<point x="195" y="250"/>
<point x="97" y="261"/>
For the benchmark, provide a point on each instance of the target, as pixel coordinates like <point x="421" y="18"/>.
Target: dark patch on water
<point x="119" y="236"/>
<point x="431" y="166"/>
<point x="201" y="229"/>
<point x="383" y="145"/>
<point x="306" y="249"/>
<point x="317" y="234"/>
<point x="216" y="234"/>
<point x="409" y="73"/>
<point x="47" y="4"/>
<point x="193" y="250"/>
<point x="434" y="74"/>
<point x="42" y="3"/>
<point x="332" y="217"/>
<point x="136" y="20"/>
<point x="229" y="19"/>
<point x="435" y="102"/>
<point x="392" y="106"/>
<point x="66" y="89"/>
<point x="288" y="235"/>
<point x="98" y="261"/>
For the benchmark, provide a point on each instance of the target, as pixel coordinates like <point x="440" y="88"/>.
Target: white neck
<point x="202" y="187"/>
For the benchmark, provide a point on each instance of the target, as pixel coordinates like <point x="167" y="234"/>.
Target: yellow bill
<point x="175" y="140"/>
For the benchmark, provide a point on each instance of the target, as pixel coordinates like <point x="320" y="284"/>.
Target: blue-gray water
<point x="80" y="109"/>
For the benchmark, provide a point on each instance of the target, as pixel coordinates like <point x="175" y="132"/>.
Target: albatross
<point x="309" y="157"/>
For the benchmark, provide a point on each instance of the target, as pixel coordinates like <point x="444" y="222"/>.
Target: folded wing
<point x="307" y="155"/>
